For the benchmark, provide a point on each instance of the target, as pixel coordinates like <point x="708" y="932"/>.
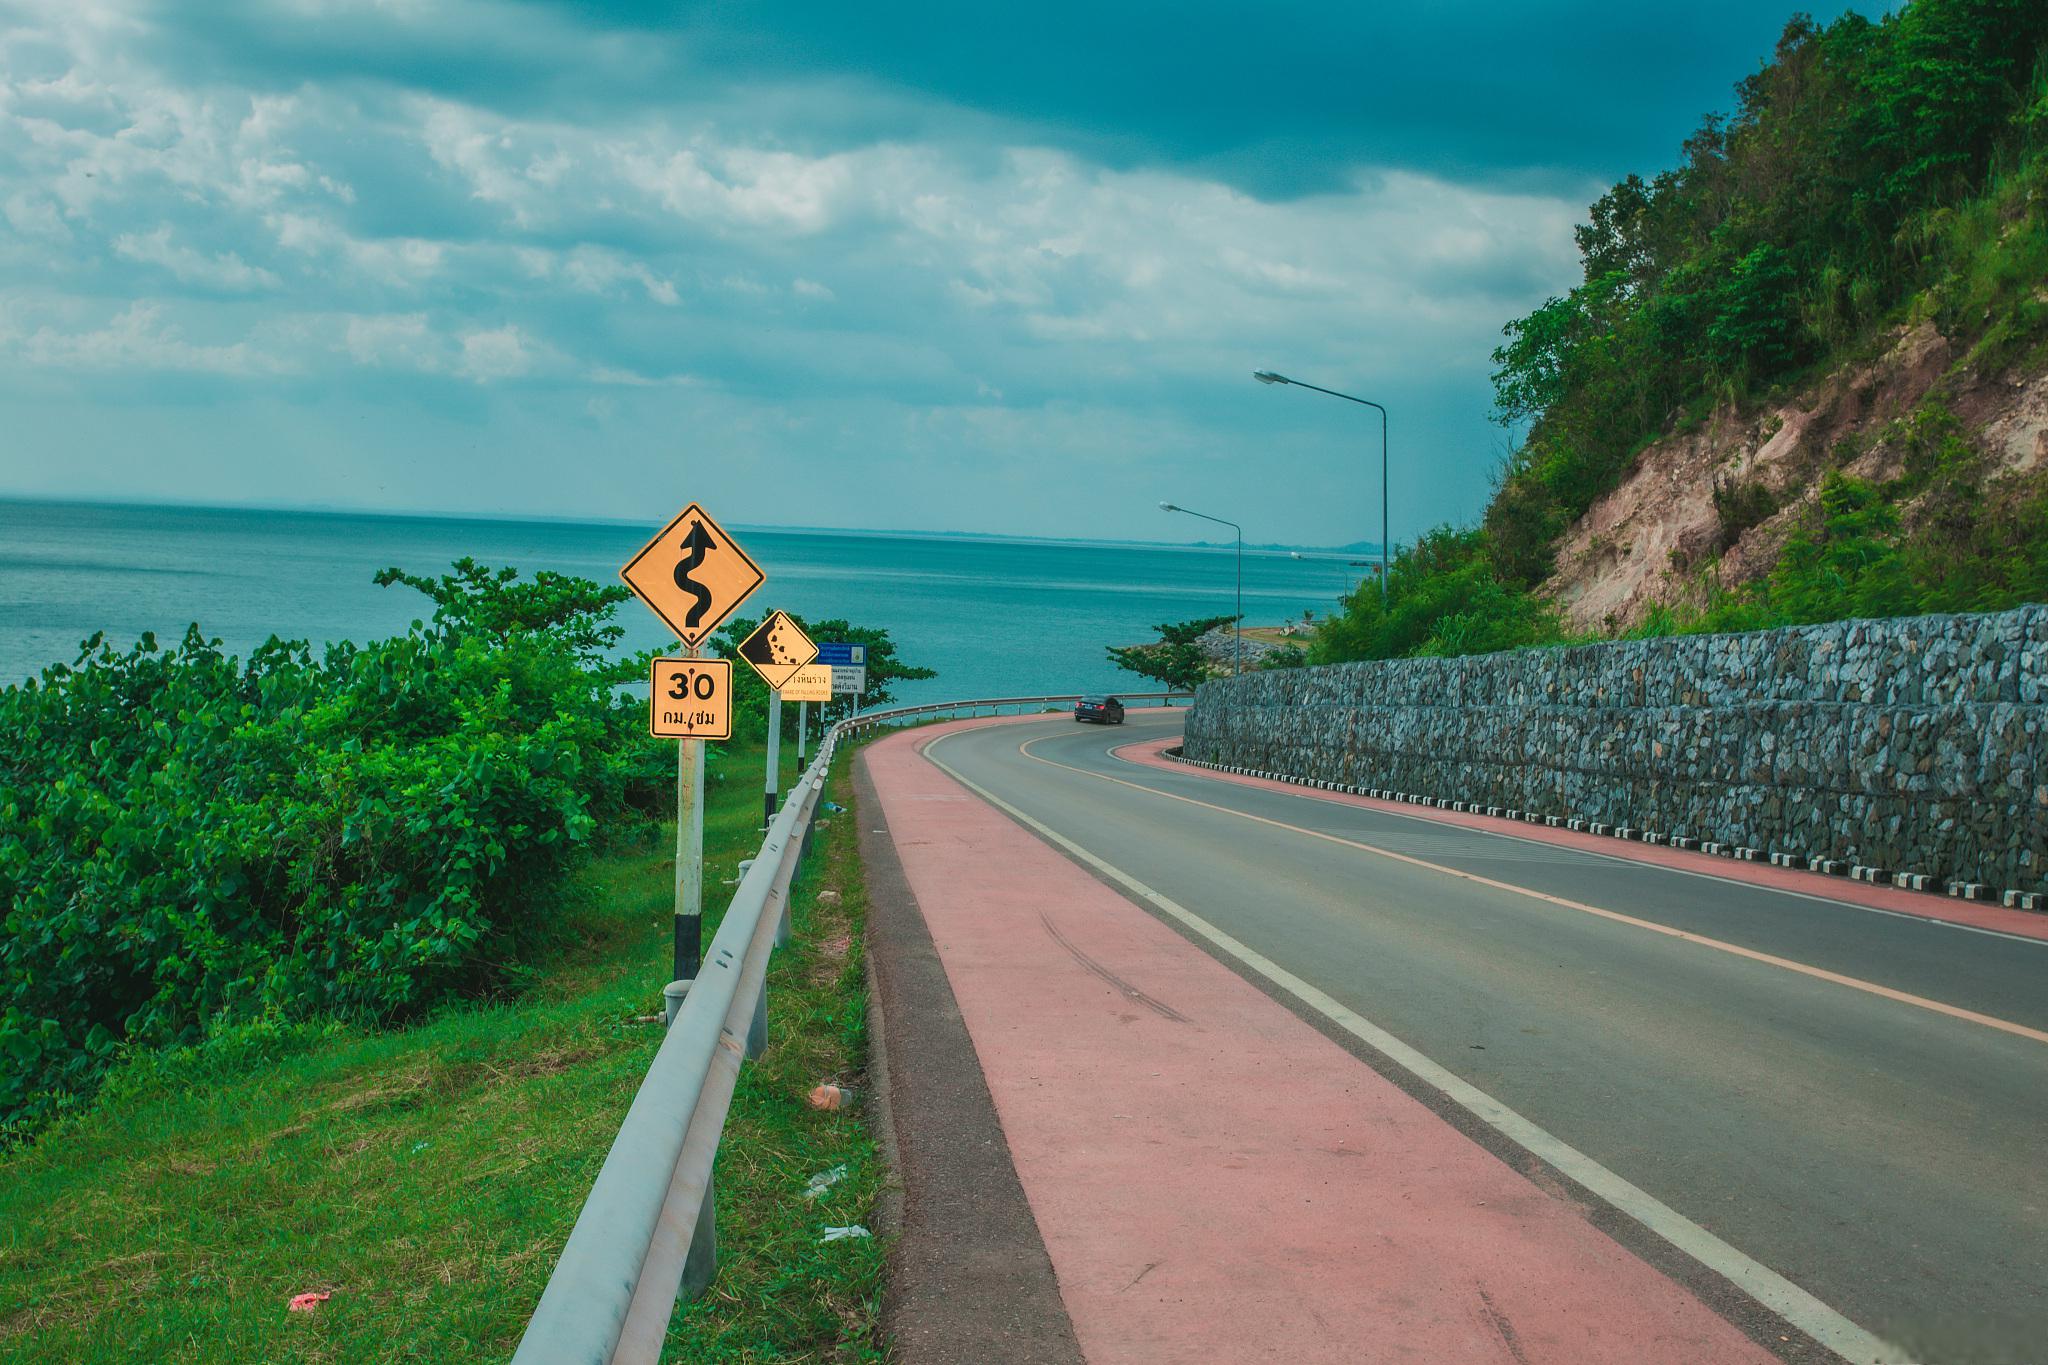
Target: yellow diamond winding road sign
<point x="690" y="699"/>
<point x="693" y="575"/>
<point x="777" y="649"/>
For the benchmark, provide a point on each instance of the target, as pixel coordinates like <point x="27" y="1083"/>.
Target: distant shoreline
<point x="503" y="519"/>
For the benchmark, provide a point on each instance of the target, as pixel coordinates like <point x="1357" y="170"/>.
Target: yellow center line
<point x="1684" y="936"/>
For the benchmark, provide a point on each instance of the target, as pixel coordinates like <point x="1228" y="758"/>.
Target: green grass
<point x="427" y="1177"/>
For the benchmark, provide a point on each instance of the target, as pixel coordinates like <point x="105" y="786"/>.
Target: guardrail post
<point x="757" y="1032"/>
<point x="672" y="997"/>
<point x="700" y="1266"/>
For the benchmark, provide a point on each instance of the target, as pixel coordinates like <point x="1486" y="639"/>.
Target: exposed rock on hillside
<point x="1663" y="536"/>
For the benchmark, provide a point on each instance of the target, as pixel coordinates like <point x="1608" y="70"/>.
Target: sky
<point x="914" y="266"/>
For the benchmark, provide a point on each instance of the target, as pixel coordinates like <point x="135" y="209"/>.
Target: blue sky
<point x="982" y="268"/>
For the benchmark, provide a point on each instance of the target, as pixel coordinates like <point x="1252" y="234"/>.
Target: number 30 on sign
<point x="691" y="699"/>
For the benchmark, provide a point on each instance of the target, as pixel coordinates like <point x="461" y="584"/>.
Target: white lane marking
<point x="1337" y="799"/>
<point x="1854" y="983"/>
<point x="1826" y="1326"/>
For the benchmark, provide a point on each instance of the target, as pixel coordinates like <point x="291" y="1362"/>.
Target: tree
<point x="1756" y="319"/>
<point x="1175" y="660"/>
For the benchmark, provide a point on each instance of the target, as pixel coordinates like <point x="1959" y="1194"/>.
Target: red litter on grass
<point x="306" y="1303"/>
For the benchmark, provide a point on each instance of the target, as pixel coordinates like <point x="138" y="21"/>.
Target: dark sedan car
<point x="1104" y="710"/>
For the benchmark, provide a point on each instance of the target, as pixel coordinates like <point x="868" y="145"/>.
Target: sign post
<point x="773" y="790"/>
<point x="778" y="649"/>
<point x="849" y="665"/>
<point x="811" y="683"/>
<point x="692" y="575"/>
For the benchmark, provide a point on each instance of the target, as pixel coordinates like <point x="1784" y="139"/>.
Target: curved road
<point x="1881" y="1154"/>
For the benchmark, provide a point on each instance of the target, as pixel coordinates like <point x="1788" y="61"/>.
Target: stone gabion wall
<point x="1918" y="745"/>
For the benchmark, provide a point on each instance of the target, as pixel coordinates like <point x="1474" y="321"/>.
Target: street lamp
<point x="1268" y="377"/>
<point x="1236" y="626"/>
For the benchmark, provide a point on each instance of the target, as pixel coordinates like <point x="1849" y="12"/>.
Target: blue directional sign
<point x="842" y="656"/>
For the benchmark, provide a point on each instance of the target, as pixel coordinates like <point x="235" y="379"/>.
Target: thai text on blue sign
<point x="842" y="656"/>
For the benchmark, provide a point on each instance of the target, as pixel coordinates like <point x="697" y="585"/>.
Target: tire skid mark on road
<point x="1563" y="902"/>
<point x="1123" y="987"/>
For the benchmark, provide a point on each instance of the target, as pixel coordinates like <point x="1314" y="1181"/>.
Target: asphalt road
<point x="1889" y="1159"/>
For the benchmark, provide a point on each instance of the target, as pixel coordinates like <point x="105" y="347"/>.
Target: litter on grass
<point x="829" y="1096"/>
<point x="823" y="1181"/>
<point x="842" y="1234"/>
<point x="834" y="807"/>
<point x="306" y="1303"/>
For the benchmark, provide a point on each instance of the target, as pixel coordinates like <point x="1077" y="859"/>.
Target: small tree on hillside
<point x="1175" y="660"/>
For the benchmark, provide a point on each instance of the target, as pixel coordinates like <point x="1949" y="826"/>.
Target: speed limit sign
<point x="691" y="699"/>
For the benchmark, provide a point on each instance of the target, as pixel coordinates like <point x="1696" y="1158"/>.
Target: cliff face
<point x="1661" y="537"/>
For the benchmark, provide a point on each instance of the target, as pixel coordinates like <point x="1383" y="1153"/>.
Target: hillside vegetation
<point x="1818" y="331"/>
<point x="190" y="842"/>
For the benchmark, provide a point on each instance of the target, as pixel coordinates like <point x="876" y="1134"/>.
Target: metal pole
<point x="803" y="725"/>
<point x="1383" y="506"/>
<point x="1237" y="626"/>
<point x="689" y="935"/>
<point x="1268" y="377"/>
<point x="774" y="754"/>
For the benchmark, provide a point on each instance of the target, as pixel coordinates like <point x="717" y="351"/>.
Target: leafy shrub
<point x="1443" y="597"/>
<point x="1174" y="659"/>
<point x="189" y="839"/>
<point x="1738" y="506"/>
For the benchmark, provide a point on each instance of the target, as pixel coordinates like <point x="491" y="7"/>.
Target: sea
<point x="993" y="616"/>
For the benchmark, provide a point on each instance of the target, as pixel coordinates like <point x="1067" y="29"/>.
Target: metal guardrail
<point x="648" y="1234"/>
<point x="897" y="714"/>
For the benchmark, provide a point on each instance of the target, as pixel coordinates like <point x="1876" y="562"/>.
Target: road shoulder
<point x="969" y="1277"/>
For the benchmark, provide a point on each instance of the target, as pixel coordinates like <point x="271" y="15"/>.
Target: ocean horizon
<point x="993" y="614"/>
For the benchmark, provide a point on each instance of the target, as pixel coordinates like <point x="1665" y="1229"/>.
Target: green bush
<point x="1174" y="660"/>
<point x="1442" y="598"/>
<point x="189" y="839"/>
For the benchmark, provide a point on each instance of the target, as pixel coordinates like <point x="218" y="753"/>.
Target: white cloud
<point x="138" y="339"/>
<point x="400" y="261"/>
<point x="396" y="341"/>
<point x="501" y="353"/>
<point x="223" y="271"/>
<point x="598" y="271"/>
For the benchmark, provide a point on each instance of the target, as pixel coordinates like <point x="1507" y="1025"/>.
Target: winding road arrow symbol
<point x="698" y="544"/>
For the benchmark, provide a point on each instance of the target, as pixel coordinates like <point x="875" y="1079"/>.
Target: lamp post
<point x="1268" y="377"/>
<point x="1237" y="625"/>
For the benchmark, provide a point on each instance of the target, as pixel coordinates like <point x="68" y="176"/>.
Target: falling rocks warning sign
<point x="777" y="649"/>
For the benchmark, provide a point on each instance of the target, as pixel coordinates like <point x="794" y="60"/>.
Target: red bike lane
<point x="1213" y="1178"/>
